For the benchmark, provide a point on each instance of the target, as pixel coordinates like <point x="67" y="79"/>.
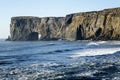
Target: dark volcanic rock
<point x="8" y="39"/>
<point x="96" y="25"/>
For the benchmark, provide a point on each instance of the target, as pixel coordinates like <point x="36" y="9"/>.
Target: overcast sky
<point x="46" y="8"/>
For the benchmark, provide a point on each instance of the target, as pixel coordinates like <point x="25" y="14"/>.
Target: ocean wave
<point x="96" y="43"/>
<point x="94" y="52"/>
<point x="60" y="51"/>
<point x="25" y="48"/>
<point x="5" y="62"/>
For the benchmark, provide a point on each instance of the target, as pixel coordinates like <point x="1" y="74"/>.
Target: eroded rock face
<point x="29" y="28"/>
<point x="96" y="25"/>
<point x="101" y="25"/>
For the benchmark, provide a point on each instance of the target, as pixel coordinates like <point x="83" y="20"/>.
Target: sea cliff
<point x="94" y="25"/>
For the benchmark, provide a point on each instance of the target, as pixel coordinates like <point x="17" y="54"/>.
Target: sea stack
<point x="95" y="25"/>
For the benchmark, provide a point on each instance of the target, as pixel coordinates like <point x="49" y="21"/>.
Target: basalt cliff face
<point x="31" y="28"/>
<point x="101" y="25"/>
<point x="96" y="25"/>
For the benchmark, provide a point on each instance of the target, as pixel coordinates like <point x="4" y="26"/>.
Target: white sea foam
<point x="49" y="64"/>
<point x="96" y="43"/>
<point x="92" y="43"/>
<point x="51" y="43"/>
<point x="102" y="42"/>
<point x="115" y="42"/>
<point x="88" y="73"/>
<point x="94" y="52"/>
<point x="23" y="78"/>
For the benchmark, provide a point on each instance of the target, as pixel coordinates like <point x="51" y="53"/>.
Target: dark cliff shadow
<point x="80" y="33"/>
<point x="34" y="36"/>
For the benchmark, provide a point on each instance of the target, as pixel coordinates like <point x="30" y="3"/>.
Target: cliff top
<point x="109" y="10"/>
<point x="32" y="17"/>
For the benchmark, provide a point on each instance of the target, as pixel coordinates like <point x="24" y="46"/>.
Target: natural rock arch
<point x="34" y="36"/>
<point x="95" y="25"/>
<point x="98" y="32"/>
<point x="80" y="33"/>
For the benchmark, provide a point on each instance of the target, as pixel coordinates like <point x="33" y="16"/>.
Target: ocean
<point x="59" y="60"/>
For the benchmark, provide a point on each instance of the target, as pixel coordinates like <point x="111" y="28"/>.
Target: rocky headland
<point x="95" y="25"/>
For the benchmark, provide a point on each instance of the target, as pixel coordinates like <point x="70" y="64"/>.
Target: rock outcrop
<point x="96" y="25"/>
<point x="101" y="25"/>
<point x="31" y="28"/>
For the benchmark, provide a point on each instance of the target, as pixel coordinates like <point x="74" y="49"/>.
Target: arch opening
<point x="98" y="32"/>
<point x="80" y="33"/>
<point x="34" y="36"/>
<point x="39" y="36"/>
